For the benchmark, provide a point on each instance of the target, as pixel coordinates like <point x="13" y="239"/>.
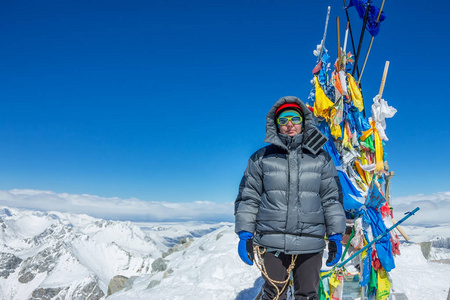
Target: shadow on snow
<point x="252" y="292"/>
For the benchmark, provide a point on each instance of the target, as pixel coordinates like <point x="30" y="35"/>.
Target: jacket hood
<point x="312" y="140"/>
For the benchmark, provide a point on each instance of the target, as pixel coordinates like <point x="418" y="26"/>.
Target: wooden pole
<point x="381" y="10"/>
<point x="386" y="186"/>
<point x="388" y="199"/>
<point x="383" y="80"/>
<point x="386" y="166"/>
<point x="365" y="60"/>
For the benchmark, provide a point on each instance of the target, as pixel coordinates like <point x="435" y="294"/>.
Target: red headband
<point x="288" y="105"/>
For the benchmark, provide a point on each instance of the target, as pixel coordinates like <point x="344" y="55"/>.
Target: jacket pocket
<point x="265" y="214"/>
<point x="314" y="217"/>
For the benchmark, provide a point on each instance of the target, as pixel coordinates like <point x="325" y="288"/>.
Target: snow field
<point x="418" y="278"/>
<point x="209" y="269"/>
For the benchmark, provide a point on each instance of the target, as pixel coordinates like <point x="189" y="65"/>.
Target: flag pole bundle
<point x="355" y="143"/>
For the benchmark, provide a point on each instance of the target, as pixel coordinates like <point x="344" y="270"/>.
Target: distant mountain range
<point x="55" y="256"/>
<point x="45" y="255"/>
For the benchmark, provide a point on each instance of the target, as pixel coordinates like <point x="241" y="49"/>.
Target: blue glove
<point x="245" y="247"/>
<point x="334" y="249"/>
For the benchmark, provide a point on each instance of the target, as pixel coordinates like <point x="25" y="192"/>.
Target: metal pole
<point x="324" y="35"/>
<point x="374" y="240"/>
<point x="366" y="16"/>
<point x="351" y="34"/>
<point x="338" y="44"/>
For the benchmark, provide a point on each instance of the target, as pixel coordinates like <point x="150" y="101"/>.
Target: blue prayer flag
<point x="374" y="198"/>
<point x="372" y="25"/>
<point x="367" y="268"/>
<point x="352" y="198"/>
<point x="383" y="245"/>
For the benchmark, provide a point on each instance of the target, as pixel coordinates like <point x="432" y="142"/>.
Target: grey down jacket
<point x="290" y="192"/>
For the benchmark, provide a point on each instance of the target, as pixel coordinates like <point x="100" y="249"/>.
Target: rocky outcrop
<point x="116" y="284"/>
<point x="159" y="265"/>
<point x="42" y="262"/>
<point x="182" y="245"/>
<point x="426" y="249"/>
<point x="90" y="291"/>
<point x="45" y="294"/>
<point x="442" y="243"/>
<point x="8" y="264"/>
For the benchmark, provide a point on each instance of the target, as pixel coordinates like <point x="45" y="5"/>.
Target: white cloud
<point x="116" y="208"/>
<point x="434" y="208"/>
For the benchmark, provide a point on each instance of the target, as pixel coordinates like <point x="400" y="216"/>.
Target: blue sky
<point x="166" y="100"/>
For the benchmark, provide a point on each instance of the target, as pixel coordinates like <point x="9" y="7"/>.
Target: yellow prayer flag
<point x="346" y="142"/>
<point x="379" y="167"/>
<point x="384" y="285"/>
<point x="334" y="281"/>
<point x="336" y="130"/>
<point x="336" y="285"/>
<point x="355" y="93"/>
<point x="365" y="161"/>
<point x="361" y="172"/>
<point x="322" y="104"/>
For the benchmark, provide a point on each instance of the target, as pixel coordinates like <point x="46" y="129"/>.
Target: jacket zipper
<point x="288" y="188"/>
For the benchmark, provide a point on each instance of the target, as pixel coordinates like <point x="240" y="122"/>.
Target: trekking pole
<point x="372" y="242"/>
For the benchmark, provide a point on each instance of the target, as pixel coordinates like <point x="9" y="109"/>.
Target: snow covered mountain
<point x="52" y="255"/>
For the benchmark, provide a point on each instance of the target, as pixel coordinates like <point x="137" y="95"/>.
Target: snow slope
<point x="418" y="278"/>
<point x="211" y="269"/>
<point x="52" y="255"/>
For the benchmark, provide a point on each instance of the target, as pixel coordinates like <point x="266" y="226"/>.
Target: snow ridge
<point x="68" y="256"/>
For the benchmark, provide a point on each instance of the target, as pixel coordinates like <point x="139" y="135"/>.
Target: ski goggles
<point x="285" y="120"/>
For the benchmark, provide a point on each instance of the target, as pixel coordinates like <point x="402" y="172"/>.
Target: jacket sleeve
<point x="246" y="206"/>
<point x="330" y="193"/>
